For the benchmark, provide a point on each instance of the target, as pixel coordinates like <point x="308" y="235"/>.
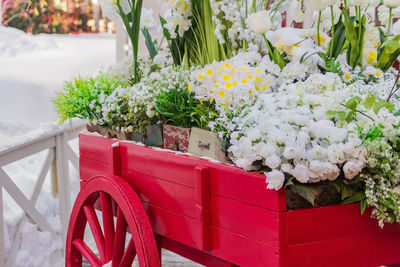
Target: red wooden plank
<point x="332" y="222"/>
<point x="369" y="250"/>
<point x="96" y="231"/>
<point x="89" y="168"/>
<point x="162" y="193"/>
<point x="202" y="195"/>
<point x="87" y="253"/>
<point x="242" y="250"/>
<point x="254" y="222"/>
<point x="95" y="147"/>
<point x="175" y="226"/>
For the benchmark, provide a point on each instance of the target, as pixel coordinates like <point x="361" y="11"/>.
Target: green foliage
<point x="390" y="51"/>
<point x="338" y="41"/>
<point x="150" y="44"/>
<point x="80" y="98"/>
<point x="274" y="54"/>
<point x="176" y="107"/>
<point x="355" y="38"/>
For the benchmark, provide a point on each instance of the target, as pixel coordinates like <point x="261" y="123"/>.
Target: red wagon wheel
<point x="116" y="197"/>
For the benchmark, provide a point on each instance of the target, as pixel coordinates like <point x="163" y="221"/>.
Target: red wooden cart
<point x="211" y="213"/>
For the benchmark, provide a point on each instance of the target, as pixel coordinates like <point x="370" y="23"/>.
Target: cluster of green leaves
<point x="80" y="98"/>
<point x="388" y="53"/>
<point x="370" y="102"/>
<point x="181" y="108"/>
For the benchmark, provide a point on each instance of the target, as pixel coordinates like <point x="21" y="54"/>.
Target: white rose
<point x="336" y="154"/>
<point x="294" y="152"/>
<point x="317" y="169"/>
<point x="260" y="22"/>
<point x="275" y="179"/>
<point x="357" y="2"/>
<point x="300" y="172"/>
<point x="267" y="150"/>
<point x="273" y="162"/>
<point x="391" y="3"/>
<point x="334" y="172"/>
<point x="287" y="167"/>
<point x="352" y="168"/>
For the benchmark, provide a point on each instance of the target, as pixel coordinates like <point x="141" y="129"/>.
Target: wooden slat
<point x="23" y="202"/>
<point x="89" y="168"/>
<point x="203" y="205"/>
<point x="72" y="156"/>
<point x="42" y="176"/>
<point x="313" y="225"/>
<point x="162" y="193"/>
<point x="26" y="150"/>
<point x="96" y="231"/>
<point x="96" y="147"/>
<point x="120" y="239"/>
<point x="251" y="221"/>
<point x="243" y="251"/>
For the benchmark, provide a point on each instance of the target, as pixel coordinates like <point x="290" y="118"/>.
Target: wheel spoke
<point x="87" y="253"/>
<point x="129" y="255"/>
<point x="108" y="224"/>
<point x="120" y="238"/>
<point x="96" y="230"/>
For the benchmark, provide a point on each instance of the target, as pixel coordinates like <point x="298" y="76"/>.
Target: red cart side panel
<point x="225" y="180"/>
<point x="340" y="236"/>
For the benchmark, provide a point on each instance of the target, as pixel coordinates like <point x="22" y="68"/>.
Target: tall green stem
<point x="333" y="32"/>
<point x="390" y="23"/>
<point x="318" y="28"/>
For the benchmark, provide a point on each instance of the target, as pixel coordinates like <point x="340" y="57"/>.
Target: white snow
<point x="16" y="42"/>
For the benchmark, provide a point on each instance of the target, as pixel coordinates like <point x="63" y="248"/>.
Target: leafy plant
<point x="80" y="98"/>
<point x="176" y="107"/>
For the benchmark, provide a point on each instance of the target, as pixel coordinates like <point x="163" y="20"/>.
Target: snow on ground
<point x="16" y="42"/>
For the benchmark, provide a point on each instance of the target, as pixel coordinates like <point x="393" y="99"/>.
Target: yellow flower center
<point x="250" y="92"/>
<point x="221" y="93"/>
<point x="200" y="76"/>
<point x="209" y="72"/>
<point x="226" y="77"/>
<point x="347" y="76"/>
<point x="258" y="78"/>
<point x="190" y="88"/>
<point x="244" y="81"/>
<point x="322" y="39"/>
<point x="378" y="74"/>
<point x="228" y="86"/>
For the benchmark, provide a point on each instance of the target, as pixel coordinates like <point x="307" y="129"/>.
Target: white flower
<point x="260" y="22"/>
<point x="275" y="179"/>
<point x="273" y="162"/>
<point x="330" y="2"/>
<point x="391" y="3"/>
<point x="352" y="168"/>
<point x="318" y="5"/>
<point x="147" y="19"/>
<point x="301" y="173"/>
<point x="336" y="154"/>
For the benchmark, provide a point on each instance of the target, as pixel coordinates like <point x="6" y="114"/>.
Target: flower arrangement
<point x="308" y="107"/>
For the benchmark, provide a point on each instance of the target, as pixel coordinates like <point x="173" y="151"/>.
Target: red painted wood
<point x="162" y="193"/>
<point x="251" y="221"/>
<point x="108" y="225"/>
<point x="130" y="207"/>
<point x="87" y="253"/>
<point x="129" y="255"/>
<point x="120" y="239"/>
<point x="225" y="180"/>
<point x="230" y="209"/>
<point x="202" y="196"/>
<point x="96" y="230"/>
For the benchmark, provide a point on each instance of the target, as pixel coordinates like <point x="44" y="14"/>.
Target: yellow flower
<point x="280" y="46"/>
<point x="226" y="77"/>
<point x="228" y="86"/>
<point x="250" y="92"/>
<point x="235" y="83"/>
<point x="212" y="92"/>
<point x="221" y="93"/>
<point x="372" y="56"/>
<point x="210" y="72"/>
<point x="258" y="78"/>
<point x="190" y="88"/>
<point x="258" y="70"/>
<point x="244" y="81"/>
<point x="250" y="77"/>
<point x="321" y="38"/>
<point x="258" y="88"/>
<point x="216" y="86"/>
<point x="200" y="76"/>
<point x="228" y="65"/>
<point x="378" y="74"/>
<point x="347" y="76"/>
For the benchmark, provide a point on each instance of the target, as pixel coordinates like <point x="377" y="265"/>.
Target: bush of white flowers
<point x="306" y="106"/>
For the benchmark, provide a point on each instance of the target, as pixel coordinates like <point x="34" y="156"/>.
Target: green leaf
<point x="353" y="103"/>
<point x="357" y="197"/>
<point x="166" y="33"/>
<point x="149" y="43"/>
<point x="390" y="53"/>
<point x="373" y="134"/>
<point x="308" y="192"/>
<point x="369" y="102"/>
<point x="350" y="116"/>
<point x="339" y="40"/>
<point x="383" y="104"/>
<point x="363" y="205"/>
<point x="353" y="53"/>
